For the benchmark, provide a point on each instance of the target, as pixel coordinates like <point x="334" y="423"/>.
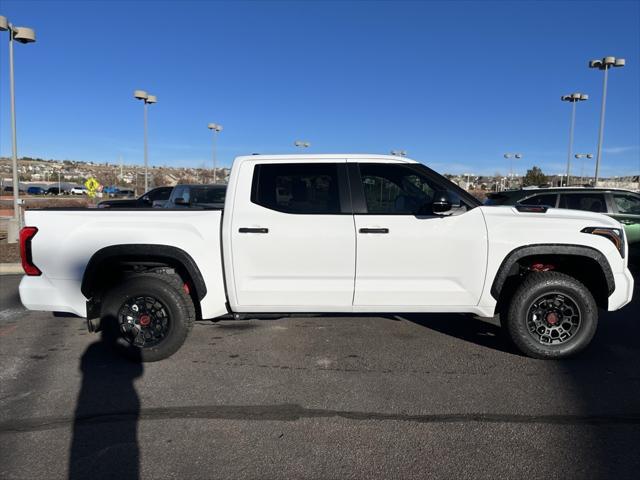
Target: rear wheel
<point x="551" y="315"/>
<point x="148" y="316"/>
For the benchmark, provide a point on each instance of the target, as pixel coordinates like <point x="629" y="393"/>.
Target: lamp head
<point x="4" y="23"/>
<point x="24" y="35"/>
<point x="140" y="94"/>
<point x="620" y="62"/>
<point x="151" y="99"/>
<point x="595" y="64"/>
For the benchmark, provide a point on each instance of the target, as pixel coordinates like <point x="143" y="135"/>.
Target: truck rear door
<point x="292" y="237"/>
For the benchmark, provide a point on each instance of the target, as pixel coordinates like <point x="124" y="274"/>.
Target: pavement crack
<point x="292" y="412"/>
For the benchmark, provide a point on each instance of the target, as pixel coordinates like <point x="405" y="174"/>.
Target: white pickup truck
<point x="328" y="233"/>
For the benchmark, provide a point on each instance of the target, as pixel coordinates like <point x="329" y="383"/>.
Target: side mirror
<point x="146" y="199"/>
<point x="441" y="202"/>
<point x="180" y="201"/>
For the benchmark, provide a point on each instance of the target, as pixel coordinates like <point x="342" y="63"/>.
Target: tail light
<point x="26" y="234"/>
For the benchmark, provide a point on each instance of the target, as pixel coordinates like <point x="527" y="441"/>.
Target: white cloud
<point x="617" y="150"/>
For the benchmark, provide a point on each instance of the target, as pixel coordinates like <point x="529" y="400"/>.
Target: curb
<point x="11" y="269"/>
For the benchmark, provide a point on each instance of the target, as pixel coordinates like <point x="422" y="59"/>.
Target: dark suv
<point x="622" y="205"/>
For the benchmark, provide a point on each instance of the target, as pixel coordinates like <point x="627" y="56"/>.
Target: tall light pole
<point x="215" y="129"/>
<point x="573" y="98"/>
<point x="147" y="99"/>
<point x="583" y="156"/>
<point x="510" y="157"/>
<point x="301" y="144"/>
<point x="22" y="35"/>
<point x="604" y="64"/>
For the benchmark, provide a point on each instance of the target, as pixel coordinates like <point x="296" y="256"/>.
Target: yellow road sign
<point x="92" y="186"/>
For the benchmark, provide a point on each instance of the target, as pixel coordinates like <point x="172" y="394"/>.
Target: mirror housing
<point x="441" y="202"/>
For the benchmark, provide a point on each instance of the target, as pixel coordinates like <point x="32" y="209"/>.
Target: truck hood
<point x="552" y="216"/>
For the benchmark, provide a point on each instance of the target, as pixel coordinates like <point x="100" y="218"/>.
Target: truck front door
<point x="408" y="258"/>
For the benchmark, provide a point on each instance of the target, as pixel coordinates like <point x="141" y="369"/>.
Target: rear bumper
<point x="41" y="293"/>
<point x="623" y="292"/>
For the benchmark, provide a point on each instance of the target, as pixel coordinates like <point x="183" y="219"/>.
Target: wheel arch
<point x="571" y="256"/>
<point x="112" y="258"/>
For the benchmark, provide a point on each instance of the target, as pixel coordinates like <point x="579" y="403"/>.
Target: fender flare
<point x="144" y="252"/>
<point x="551" y="249"/>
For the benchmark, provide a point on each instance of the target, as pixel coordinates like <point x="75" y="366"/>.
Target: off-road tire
<point x="534" y="286"/>
<point x="166" y="288"/>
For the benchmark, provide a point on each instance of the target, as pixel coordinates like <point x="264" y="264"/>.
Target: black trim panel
<point x="358" y="200"/>
<point x="139" y="251"/>
<point x="550" y="249"/>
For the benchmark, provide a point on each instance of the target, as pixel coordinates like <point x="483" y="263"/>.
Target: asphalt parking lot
<point x="317" y="397"/>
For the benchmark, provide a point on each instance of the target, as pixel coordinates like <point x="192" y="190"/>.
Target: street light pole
<point x="583" y="156"/>
<point x="573" y="98"/>
<point x="510" y="157"/>
<point x="142" y="95"/>
<point x="215" y="129"/>
<point x="603" y="64"/>
<point x="22" y="35"/>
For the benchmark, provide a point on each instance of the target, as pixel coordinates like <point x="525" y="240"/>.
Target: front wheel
<point x="551" y="316"/>
<point x="148" y="316"/>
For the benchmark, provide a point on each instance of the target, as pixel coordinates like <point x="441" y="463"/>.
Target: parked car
<point x="78" y="190"/>
<point x="147" y="200"/>
<point x="36" y="191"/>
<point x="117" y="192"/>
<point x="330" y="233"/>
<point x="55" y="191"/>
<point x="9" y="190"/>
<point x="622" y="205"/>
<point x="203" y="196"/>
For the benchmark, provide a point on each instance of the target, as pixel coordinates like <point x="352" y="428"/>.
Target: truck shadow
<point x="104" y="440"/>
<point x="602" y="382"/>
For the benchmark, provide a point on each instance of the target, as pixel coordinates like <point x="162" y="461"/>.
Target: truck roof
<point x="327" y="156"/>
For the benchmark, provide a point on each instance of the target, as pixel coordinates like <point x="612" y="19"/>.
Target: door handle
<point x="374" y="230"/>
<point x="253" y="230"/>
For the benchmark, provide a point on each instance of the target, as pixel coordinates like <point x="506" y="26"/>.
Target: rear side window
<point x="627" y="204"/>
<point x="548" y="200"/>
<point x="302" y="188"/>
<point x="591" y="202"/>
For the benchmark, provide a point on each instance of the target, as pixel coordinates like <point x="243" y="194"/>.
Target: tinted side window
<point x="627" y="204"/>
<point x="549" y="200"/>
<point x="160" y="194"/>
<point x="592" y="202"/>
<point x="297" y="187"/>
<point x="207" y="194"/>
<point x="397" y="189"/>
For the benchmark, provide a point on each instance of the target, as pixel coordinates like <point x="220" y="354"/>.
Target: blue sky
<point x="456" y="84"/>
